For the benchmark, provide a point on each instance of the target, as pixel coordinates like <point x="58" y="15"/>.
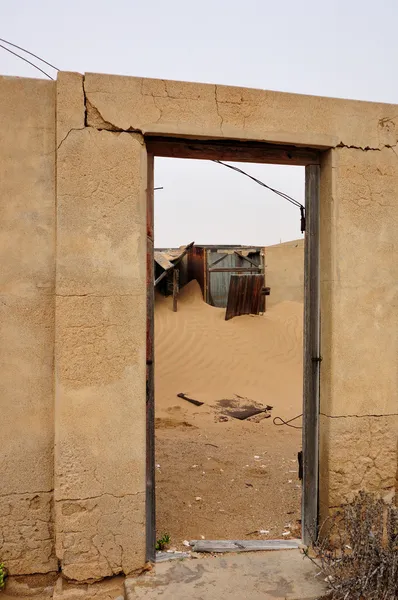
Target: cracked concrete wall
<point x="100" y="344"/>
<point x="27" y="248"/>
<point x="359" y="298"/>
<point x="359" y="218"/>
<point x="154" y="106"/>
<point x="98" y="240"/>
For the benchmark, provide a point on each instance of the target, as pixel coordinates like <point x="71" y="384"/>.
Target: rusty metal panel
<point x="196" y="267"/>
<point x="245" y="295"/>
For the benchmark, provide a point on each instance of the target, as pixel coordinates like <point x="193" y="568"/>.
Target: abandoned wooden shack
<point x="229" y="276"/>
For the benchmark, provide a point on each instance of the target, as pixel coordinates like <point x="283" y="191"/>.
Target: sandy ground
<point x="218" y="477"/>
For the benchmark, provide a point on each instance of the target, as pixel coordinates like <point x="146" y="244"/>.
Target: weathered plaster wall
<point x="359" y="216"/>
<point x="155" y="106"/>
<point x="100" y="344"/>
<point x="359" y="294"/>
<point x="284" y="272"/>
<point x="99" y="279"/>
<point x="27" y="247"/>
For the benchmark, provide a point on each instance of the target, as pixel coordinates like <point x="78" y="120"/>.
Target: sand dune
<point x="197" y="351"/>
<point x="257" y="357"/>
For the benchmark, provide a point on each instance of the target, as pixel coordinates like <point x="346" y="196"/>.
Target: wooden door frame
<point x="258" y="152"/>
<point x="311" y="357"/>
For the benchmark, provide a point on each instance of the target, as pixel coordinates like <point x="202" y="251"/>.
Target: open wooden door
<point x="245" y="295"/>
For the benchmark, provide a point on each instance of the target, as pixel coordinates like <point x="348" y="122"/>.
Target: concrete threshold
<point x="282" y="575"/>
<point x="242" y="545"/>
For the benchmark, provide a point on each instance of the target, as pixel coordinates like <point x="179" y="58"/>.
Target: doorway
<point x="262" y="153"/>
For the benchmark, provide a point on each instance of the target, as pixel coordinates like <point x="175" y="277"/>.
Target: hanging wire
<point x="283" y="422"/>
<point x="28" y="52"/>
<point x="279" y="193"/>
<point x="25" y="59"/>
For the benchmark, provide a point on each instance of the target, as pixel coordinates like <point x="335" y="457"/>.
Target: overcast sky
<point x="340" y="48"/>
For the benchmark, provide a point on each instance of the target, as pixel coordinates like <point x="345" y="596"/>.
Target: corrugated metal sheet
<point x="166" y="258"/>
<point x="245" y="295"/>
<point x="219" y="281"/>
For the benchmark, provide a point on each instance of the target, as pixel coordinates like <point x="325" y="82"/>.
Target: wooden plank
<point x="150" y="398"/>
<point x="174" y="264"/>
<point x="242" y="545"/>
<point x="232" y="150"/>
<point x="244" y="295"/>
<point x="246" y="258"/>
<point x="191" y="400"/>
<point x="175" y="288"/>
<point x="310" y="499"/>
<point x="206" y="276"/>
<point x="233" y="295"/>
<point x="162" y="261"/>
<point x="218" y="260"/>
<point x="257" y="288"/>
<point x="263" y="305"/>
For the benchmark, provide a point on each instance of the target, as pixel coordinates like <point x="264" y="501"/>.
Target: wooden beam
<point x="150" y="398"/>
<point x="218" y="260"/>
<point x="161" y="276"/>
<point x="310" y="497"/>
<point x="247" y="259"/>
<point x="232" y="150"/>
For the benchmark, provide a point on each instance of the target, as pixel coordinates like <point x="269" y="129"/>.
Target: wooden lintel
<point x="232" y="150"/>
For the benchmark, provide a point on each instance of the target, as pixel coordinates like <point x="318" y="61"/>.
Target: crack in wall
<point x="94" y="114"/>
<point x="26" y="493"/>
<point x="130" y="495"/>
<point x="366" y="148"/>
<point x="101" y="124"/>
<point x="93" y="295"/>
<point x="218" y="108"/>
<point x="377" y="416"/>
<point x="67" y="135"/>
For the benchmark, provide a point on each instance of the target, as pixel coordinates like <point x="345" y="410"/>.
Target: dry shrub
<point x="359" y="554"/>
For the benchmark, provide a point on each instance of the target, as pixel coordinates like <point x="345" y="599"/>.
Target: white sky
<point x="341" y="48"/>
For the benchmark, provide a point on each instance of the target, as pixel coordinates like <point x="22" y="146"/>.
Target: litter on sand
<point x="245" y="413"/>
<point x="191" y="400"/>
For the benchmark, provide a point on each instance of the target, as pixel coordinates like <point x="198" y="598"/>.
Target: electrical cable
<point x="28" y="52"/>
<point x="302" y="212"/>
<point x="283" y="422"/>
<point x="27" y="61"/>
<point x="279" y="193"/>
